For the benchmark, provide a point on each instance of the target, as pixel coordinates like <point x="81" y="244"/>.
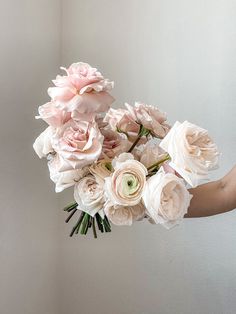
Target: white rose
<point x="166" y="199"/>
<point x="64" y="179"/>
<point x="43" y="143"/>
<point x="124" y="215"/>
<point x="89" y="194"/>
<point x="126" y="184"/>
<point x="192" y="151"/>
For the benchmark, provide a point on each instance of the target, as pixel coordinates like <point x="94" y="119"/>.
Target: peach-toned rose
<point x="126" y="184"/>
<point x="83" y="90"/>
<point x="64" y="179"/>
<point x="89" y="194"/>
<point x="124" y="215"/>
<point x="192" y="151"/>
<point x="166" y="199"/>
<point x="150" y="117"/>
<point x="79" y="143"/>
<point x="43" y="143"/>
<point x="53" y="115"/>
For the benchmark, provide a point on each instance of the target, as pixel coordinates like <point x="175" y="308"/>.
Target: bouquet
<point x="125" y="164"/>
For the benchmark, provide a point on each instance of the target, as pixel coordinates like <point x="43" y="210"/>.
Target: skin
<point x="214" y="198"/>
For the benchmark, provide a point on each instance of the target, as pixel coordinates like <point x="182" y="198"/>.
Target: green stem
<point x="134" y="144"/>
<point x="84" y="224"/>
<point x="71" y="215"/>
<point x="94" y="228"/>
<point x="70" y="207"/>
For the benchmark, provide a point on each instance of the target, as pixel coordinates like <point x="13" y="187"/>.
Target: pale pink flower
<point x="125" y="185"/>
<point x="89" y="194"/>
<point x="83" y="90"/>
<point x="149" y="153"/>
<point x="150" y="117"/>
<point x="64" y="178"/>
<point x="114" y="143"/>
<point x="43" y="143"/>
<point x="124" y="215"/>
<point x="193" y="153"/>
<point x="166" y="199"/>
<point x="53" y="115"/>
<point x="79" y="143"/>
<point x="122" y="121"/>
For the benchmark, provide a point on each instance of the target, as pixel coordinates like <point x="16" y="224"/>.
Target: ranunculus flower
<point x="166" y="199"/>
<point x="150" y="117"/>
<point x="64" y="179"/>
<point x="89" y="194"/>
<point x="124" y="215"/>
<point x="126" y="184"/>
<point x="82" y="91"/>
<point x="192" y="151"/>
<point x="43" y="143"/>
<point x="79" y="143"/>
<point x="53" y="115"/>
<point x="122" y="121"/>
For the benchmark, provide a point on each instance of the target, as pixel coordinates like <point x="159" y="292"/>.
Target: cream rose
<point x="124" y="215"/>
<point x="89" y="195"/>
<point x="43" y="143"/>
<point x="126" y="184"/>
<point x="79" y="143"/>
<point x="192" y="151"/>
<point x="166" y="199"/>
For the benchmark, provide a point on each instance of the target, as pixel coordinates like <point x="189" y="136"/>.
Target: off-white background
<point x="179" y="55"/>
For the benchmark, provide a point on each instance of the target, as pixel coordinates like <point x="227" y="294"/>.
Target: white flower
<point x="166" y="199"/>
<point x="64" y="179"/>
<point x="192" y="151"/>
<point x="89" y="194"/>
<point x="126" y="184"/>
<point x="43" y="143"/>
<point x="124" y="215"/>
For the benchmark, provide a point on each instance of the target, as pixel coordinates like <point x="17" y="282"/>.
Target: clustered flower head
<point x="125" y="164"/>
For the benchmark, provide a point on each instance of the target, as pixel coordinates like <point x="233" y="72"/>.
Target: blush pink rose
<point x="114" y="143"/>
<point x="53" y="115"/>
<point x="79" y="143"/>
<point x="122" y="121"/>
<point x="150" y="117"/>
<point x="83" y="89"/>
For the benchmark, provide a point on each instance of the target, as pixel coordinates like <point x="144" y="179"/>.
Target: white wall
<point x="29" y="58"/>
<point x="179" y="55"/>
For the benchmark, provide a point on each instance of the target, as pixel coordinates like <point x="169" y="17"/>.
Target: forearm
<point x="214" y="198"/>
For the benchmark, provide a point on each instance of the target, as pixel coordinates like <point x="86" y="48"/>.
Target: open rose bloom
<point x="125" y="164"/>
